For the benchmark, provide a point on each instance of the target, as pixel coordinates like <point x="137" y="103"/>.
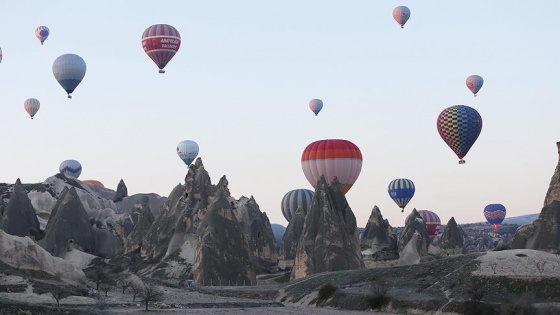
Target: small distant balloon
<point x="474" y="83"/>
<point x="401" y="190"/>
<point x="495" y="213"/>
<point x="401" y="14"/>
<point x="93" y="182"/>
<point x="294" y="199"/>
<point x="161" y="42"/>
<point x="316" y="105"/>
<point x="31" y="106"/>
<point x="431" y="219"/>
<point x="187" y="151"/>
<point x="0" y="54"/>
<point x="69" y="70"/>
<point x="70" y="168"/>
<point x="42" y="32"/>
<point x="459" y="126"/>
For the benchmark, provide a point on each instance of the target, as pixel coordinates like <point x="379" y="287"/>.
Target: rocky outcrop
<point x="223" y="255"/>
<point x="257" y="229"/>
<point x="19" y="217"/>
<point x="122" y="191"/>
<point x="329" y="239"/>
<point x="379" y="237"/>
<point x="140" y="220"/>
<point x="413" y="241"/>
<point x="452" y="240"/>
<point x="544" y="233"/>
<point x="152" y="201"/>
<point x="292" y="234"/>
<point x="23" y="253"/>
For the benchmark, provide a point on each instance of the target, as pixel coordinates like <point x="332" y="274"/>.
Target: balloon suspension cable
<point x="161" y="71"/>
<point x="461" y="161"/>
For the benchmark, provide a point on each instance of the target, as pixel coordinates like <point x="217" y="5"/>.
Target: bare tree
<point x="58" y="293"/>
<point x="124" y="283"/>
<point x="105" y="287"/>
<point x="135" y="289"/>
<point x="151" y="293"/>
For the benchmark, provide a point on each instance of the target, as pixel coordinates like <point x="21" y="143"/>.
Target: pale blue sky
<point x="240" y="84"/>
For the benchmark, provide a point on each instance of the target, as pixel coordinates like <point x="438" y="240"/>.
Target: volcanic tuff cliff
<point x="18" y="217"/>
<point x="413" y="241"/>
<point x="379" y="239"/>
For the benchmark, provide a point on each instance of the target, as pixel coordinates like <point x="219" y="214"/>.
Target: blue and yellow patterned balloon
<point x="459" y="126"/>
<point x="401" y="191"/>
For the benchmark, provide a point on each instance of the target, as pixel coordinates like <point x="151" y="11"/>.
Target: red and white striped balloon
<point x="161" y="42"/>
<point x="31" y="106"/>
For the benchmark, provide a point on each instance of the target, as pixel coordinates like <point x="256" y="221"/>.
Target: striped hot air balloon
<point x="294" y="199"/>
<point x="401" y="190"/>
<point x="42" y="32"/>
<point x="495" y="213"/>
<point x="459" y="126"/>
<point x="69" y="70"/>
<point x="31" y="106"/>
<point x="70" y="168"/>
<point x="161" y="42"/>
<point x="316" y="105"/>
<point x="474" y="83"/>
<point x="332" y="157"/>
<point x="431" y="219"/>
<point x="401" y="14"/>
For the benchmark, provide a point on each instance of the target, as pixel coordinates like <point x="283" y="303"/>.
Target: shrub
<point x="326" y="291"/>
<point x="378" y="295"/>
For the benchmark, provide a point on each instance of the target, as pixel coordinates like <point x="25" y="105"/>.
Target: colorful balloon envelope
<point x="93" y="182"/>
<point x="332" y="158"/>
<point x="474" y="83"/>
<point x="294" y="199"/>
<point x="401" y="14"/>
<point x="42" y="32"/>
<point x="161" y="42"/>
<point x="401" y="190"/>
<point x="431" y="219"/>
<point x="69" y="70"/>
<point x="31" y="106"/>
<point x="70" y="168"/>
<point x="316" y="105"/>
<point x="187" y="151"/>
<point x="495" y="213"/>
<point x="459" y="126"/>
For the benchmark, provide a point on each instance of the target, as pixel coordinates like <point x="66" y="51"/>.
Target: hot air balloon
<point x="0" y="54"/>
<point x="431" y="219"/>
<point x="42" y="32"/>
<point x="401" y="191"/>
<point x="93" y="182"/>
<point x="161" y="42"/>
<point x="495" y="213"/>
<point x="294" y="199"/>
<point x="401" y="14"/>
<point x="31" y="106"/>
<point x="316" y="105"/>
<point x="459" y="126"/>
<point x="69" y="70"/>
<point x="332" y="157"/>
<point x="70" y="168"/>
<point x="187" y="151"/>
<point x="474" y="83"/>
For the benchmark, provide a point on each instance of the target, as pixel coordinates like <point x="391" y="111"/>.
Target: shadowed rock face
<point x="453" y="238"/>
<point x="68" y="222"/>
<point x="122" y="191"/>
<point x="292" y="234"/>
<point x="19" y="216"/>
<point x="413" y="242"/>
<point x="329" y="239"/>
<point x="544" y="233"/>
<point x="378" y="236"/>
<point x="223" y="255"/>
<point x="141" y="219"/>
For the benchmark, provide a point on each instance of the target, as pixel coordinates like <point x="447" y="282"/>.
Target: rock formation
<point x="257" y="229"/>
<point x="452" y="240"/>
<point x="223" y="255"/>
<point x="122" y="191"/>
<point x="544" y="233"/>
<point x="379" y="240"/>
<point x="413" y="241"/>
<point x="329" y="239"/>
<point x="19" y="216"/>
<point x="140" y="219"/>
<point x="292" y="235"/>
<point x="152" y="201"/>
<point x="23" y="253"/>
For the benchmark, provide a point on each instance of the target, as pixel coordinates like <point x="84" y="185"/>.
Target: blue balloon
<point x="495" y="213"/>
<point x="70" y="168"/>
<point x="401" y="190"/>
